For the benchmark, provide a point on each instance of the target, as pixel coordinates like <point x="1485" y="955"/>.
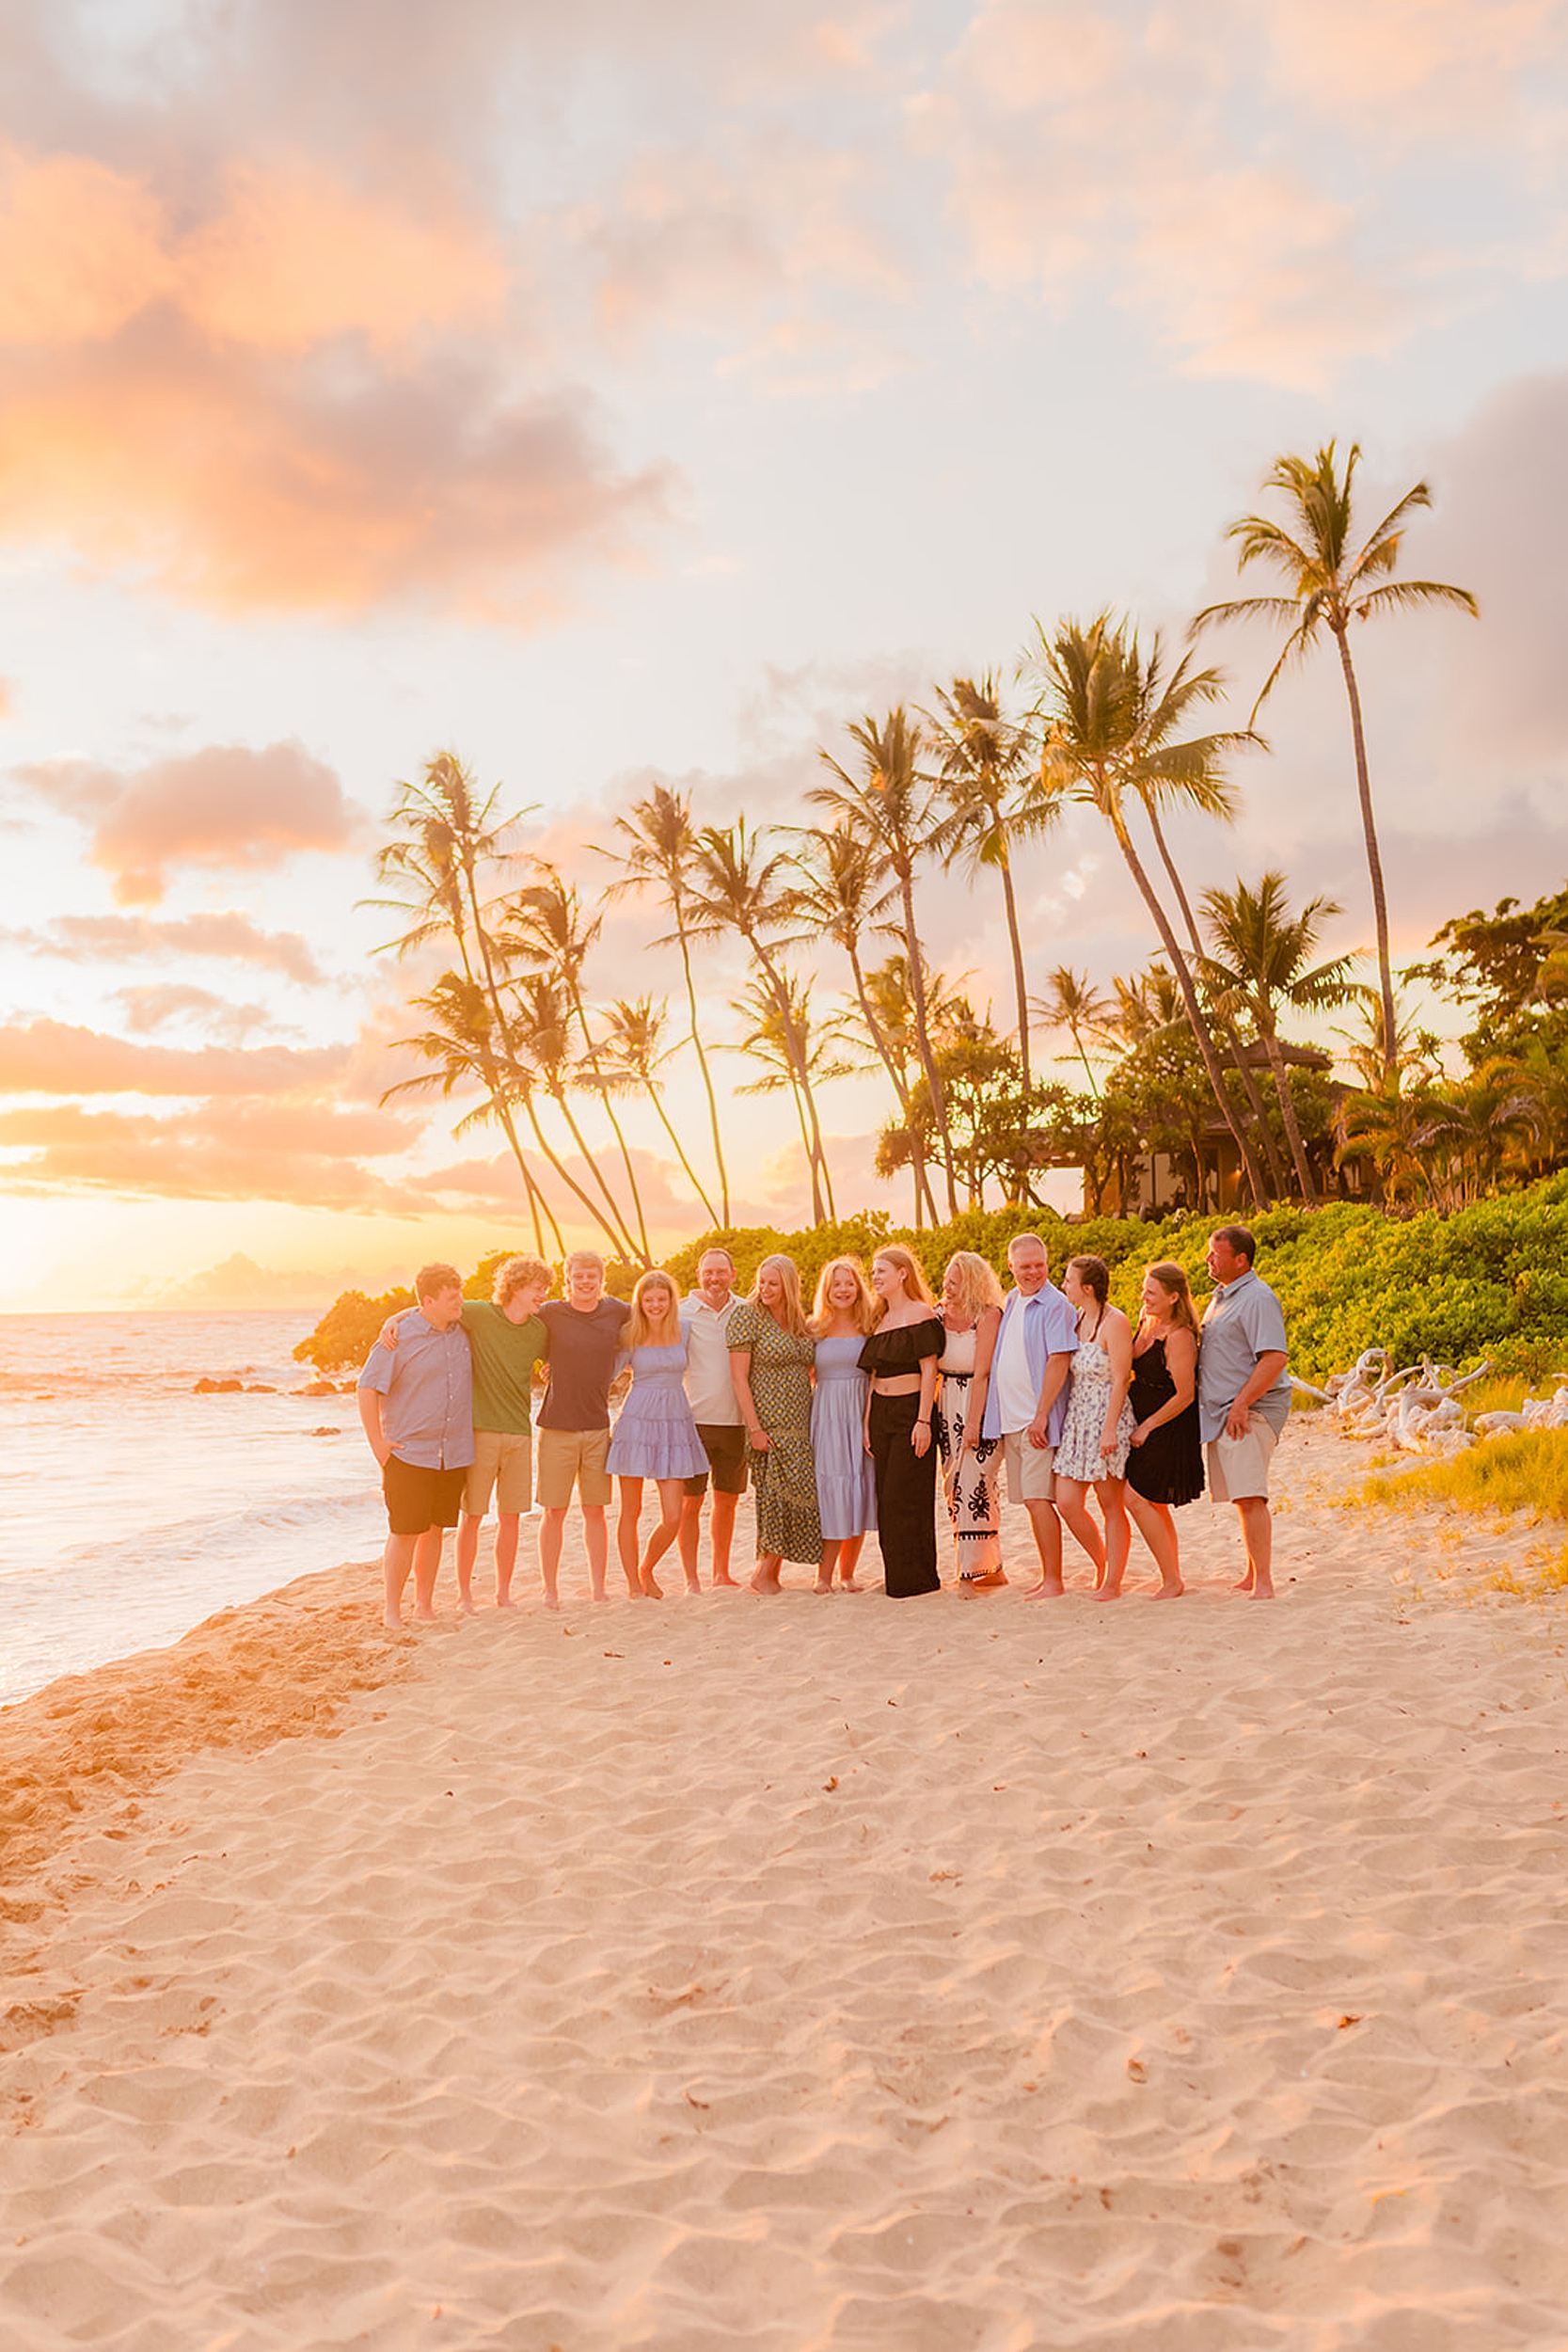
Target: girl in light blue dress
<point x="842" y="1315"/>
<point x="654" y="1436"/>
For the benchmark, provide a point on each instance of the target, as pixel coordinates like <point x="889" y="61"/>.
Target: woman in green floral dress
<point x="771" y="1355"/>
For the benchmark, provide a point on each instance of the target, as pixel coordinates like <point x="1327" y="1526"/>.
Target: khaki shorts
<point x="568" y="1455"/>
<point x="1031" y="1469"/>
<point x="503" y="1463"/>
<point x="1239" y="1467"/>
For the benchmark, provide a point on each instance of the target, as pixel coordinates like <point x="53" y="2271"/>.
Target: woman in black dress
<point x="1164" y="1466"/>
<point x="901" y="1356"/>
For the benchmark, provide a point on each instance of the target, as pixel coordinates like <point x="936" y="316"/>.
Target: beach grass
<point x="1522" y="1473"/>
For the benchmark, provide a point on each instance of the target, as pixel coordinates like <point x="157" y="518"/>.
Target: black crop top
<point x="902" y="1349"/>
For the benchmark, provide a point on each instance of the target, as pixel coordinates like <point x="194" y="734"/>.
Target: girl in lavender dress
<point x="842" y="1315"/>
<point x="655" y="1435"/>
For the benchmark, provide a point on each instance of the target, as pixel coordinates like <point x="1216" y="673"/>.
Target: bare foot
<point x="424" y="1616"/>
<point x="1107" y="1592"/>
<point x="1261" y="1591"/>
<point x="1047" y="1589"/>
<point x="465" y="1606"/>
<point x="504" y="1600"/>
<point x="990" y="1583"/>
<point x="1169" y="1592"/>
<point x="1242" y="1583"/>
<point x="821" y="1587"/>
<point x="600" y="1593"/>
<point x="726" y="1583"/>
<point x="693" y="1584"/>
<point x="393" y="1624"/>
<point x="847" y="1585"/>
<point x="763" y="1582"/>
<point x="652" y="1587"/>
<point x="552" y="1601"/>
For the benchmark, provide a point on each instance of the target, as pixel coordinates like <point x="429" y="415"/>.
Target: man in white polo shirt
<point x="1027" y="1404"/>
<point x="705" y="1318"/>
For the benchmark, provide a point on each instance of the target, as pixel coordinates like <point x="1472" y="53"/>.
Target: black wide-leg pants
<point x="906" y="1498"/>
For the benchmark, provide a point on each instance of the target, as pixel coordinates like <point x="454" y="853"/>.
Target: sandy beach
<point x="953" y="1975"/>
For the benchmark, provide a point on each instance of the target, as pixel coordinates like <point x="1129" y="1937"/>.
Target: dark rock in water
<point x="326" y="1432"/>
<point x="260" y="1388"/>
<point x="205" y="1386"/>
<point x="318" y="1387"/>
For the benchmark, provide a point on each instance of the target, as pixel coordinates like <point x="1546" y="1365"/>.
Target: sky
<point x="616" y="395"/>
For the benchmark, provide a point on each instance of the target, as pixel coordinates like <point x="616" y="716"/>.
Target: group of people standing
<point x="840" y="1418"/>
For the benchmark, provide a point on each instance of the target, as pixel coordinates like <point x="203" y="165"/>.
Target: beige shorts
<point x="568" y="1455"/>
<point x="1031" y="1469"/>
<point x="504" y="1464"/>
<point x="1239" y="1467"/>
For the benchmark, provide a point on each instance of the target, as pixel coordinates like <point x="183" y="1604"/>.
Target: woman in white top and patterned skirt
<point x="1098" y="1432"/>
<point x="970" y="1318"/>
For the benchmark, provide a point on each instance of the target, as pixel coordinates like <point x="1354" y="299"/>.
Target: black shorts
<point x="725" y="1443"/>
<point x="419" y="1498"/>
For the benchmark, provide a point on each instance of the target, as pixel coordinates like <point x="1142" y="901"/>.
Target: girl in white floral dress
<point x="1099" y="1428"/>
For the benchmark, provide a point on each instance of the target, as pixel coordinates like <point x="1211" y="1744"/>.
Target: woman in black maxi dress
<point x="901" y="1356"/>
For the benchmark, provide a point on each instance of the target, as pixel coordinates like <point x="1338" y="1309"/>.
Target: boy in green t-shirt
<point x="507" y="1339"/>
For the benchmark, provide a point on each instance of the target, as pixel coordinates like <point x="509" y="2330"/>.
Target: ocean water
<point x="131" y="1509"/>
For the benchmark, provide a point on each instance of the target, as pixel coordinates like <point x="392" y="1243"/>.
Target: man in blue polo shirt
<point x="1027" y="1398"/>
<point x="1244" y="1396"/>
<point x="417" y="1410"/>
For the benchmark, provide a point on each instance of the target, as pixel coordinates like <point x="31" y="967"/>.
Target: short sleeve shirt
<point x="709" y="1390"/>
<point x="505" y="1354"/>
<point x="1242" y="1321"/>
<point x="583" y="1349"/>
<point x="427" y="1384"/>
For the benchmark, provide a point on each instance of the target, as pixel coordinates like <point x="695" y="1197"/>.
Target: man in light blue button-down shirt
<point x="417" y="1406"/>
<point x="1026" y="1401"/>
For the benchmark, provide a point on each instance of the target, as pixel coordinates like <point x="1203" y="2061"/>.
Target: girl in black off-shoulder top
<point x="901" y="1356"/>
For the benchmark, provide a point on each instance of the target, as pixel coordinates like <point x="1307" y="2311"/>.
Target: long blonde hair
<point x="915" y="1285"/>
<point x="640" y="1330"/>
<point x="1173" y="1277"/>
<point x="789" y="1276"/>
<point x="978" y="1285"/>
<point x="863" y="1313"/>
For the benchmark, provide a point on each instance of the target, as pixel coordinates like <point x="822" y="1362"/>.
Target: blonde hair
<point x="1173" y="1279"/>
<point x="978" y="1287"/>
<point x="583" y="1257"/>
<point x="863" y="1313"/>
<point x="789" y="1276"/>
<point x="641" y="1330"/>
<point x="915" y="1284"/>
<point x="515" y="1274"/>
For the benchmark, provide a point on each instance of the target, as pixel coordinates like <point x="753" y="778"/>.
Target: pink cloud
<point x="224" y="806"/>
<point x="59" y="1058"/>
<point x="98" y="939"/>
<point x="256" y="1150"/>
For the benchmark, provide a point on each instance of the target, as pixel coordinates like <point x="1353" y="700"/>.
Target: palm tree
<point x="842" y="899"/>
<point x="544" y="1016"/>
<point x="633" y="1029"/>
<point x="1331" y="587"/>
<point x="738" y="888"/>
<point x="1072" y="1004"/>
<point x="660" y="853"/>
<point x="1259" y="958"/>
<point x="544" y="926"/>
<point x="444" y="833"/>
<point x="891" y="805"/>
<point x="781" y="1041"/>
<point x="984" y="770"/>
<point x="1110" y="719"/>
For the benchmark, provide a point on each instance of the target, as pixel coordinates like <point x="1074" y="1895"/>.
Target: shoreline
<point x="714" y="1973"/>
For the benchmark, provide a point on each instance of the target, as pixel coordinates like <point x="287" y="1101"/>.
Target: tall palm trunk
<point x="879" y="1038"/>
<point x="536" y="1199"/>
<point x="1201" y="1036"/>
<point x="692" y="1177"/>
<point x="923" y="1036"/>
<point x="707" y="1081"/>
<point x="1288" y="1113"/>
<point x="1232" y="1039"/>
<point x="608" y="1223"/>
<point x="1374" y="863"/>
<point x="1020" y="990"/>
<point x="816" y="1157"/>
<point x="602" y="1090"/>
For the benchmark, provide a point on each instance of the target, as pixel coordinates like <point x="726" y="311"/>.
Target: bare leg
<point x="506" y="1556"/>
<point x="396" y="1560"/>
<point x="767" y="1577"/>
<point x="552" y="1527"/>
<point x="724" y="1531"/>
<point x="1110" y="1493"/>
<point x="427" y="1563"/>
<point x="1158" y="1529"/>
<point x="596" y="1535"/>
<point x="848" y="1561"/>
<point x="467" y="1547"/>
<point x="1074" y="1508"/>
<point x="832" y="1547"/>
<point x="1047" y="1543"/>
<point x="626" y="1532"/>
<point x="1258" y="1535"/>
<point x="691" y="1529"/>
<point x="670" y="1497"/>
